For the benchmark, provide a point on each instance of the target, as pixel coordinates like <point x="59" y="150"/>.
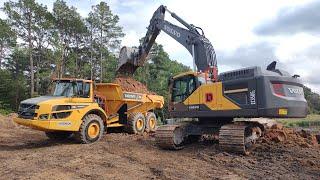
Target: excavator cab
<point x="182" y="86"/>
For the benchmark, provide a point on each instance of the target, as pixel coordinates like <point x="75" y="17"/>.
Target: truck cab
<point x="62" y="111"/>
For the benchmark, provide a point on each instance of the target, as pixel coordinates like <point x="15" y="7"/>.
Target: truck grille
<point x="27" y="111"/>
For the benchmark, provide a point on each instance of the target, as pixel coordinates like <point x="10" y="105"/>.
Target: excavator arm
<point x="196" y="43"/>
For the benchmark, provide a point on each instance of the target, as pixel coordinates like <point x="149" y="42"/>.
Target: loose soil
<point x="131" y="85"/>
<point x="28" y="154"/>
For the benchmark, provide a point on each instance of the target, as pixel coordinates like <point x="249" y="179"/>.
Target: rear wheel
<point x="151" y="122"/>
<point x="91" y="129"/>
<point x="58" y="135"/>
<point x="136" y="123"/>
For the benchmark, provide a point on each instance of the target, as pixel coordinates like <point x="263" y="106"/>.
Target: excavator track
<point x="170" y="137"/>
<point x="231" y="138"/>
<point x="238" y="138"/>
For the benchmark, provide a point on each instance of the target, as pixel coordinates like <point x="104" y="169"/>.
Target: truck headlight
<point x="44" y="116"/>
<point x="67" y="107"/>
<point x="61" y="107"/>
<point x="60" y="115"/>
<point x="78" y="106"/>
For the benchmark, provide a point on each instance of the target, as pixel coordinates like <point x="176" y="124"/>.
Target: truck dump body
<point x="121" y="103"/>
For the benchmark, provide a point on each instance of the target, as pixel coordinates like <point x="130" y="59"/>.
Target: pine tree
<point x="7" y="39"/>
<point x="106" y="32"/>
<point x="25" y="17"/>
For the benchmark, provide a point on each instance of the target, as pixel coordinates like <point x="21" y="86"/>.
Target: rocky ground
<point x="28" y="154"/>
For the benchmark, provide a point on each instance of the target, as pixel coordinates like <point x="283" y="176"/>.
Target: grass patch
<point x="5" y="111"/>
<point x="312" y="120"/>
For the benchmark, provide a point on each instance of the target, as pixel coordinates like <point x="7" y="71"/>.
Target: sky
<point x="244" y="33"/>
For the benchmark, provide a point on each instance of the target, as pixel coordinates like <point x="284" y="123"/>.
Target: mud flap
<point x="123" y="117"/>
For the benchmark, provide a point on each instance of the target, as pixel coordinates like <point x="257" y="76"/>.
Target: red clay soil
<point x="278" y="133"/>
<point x="131" y="85"/>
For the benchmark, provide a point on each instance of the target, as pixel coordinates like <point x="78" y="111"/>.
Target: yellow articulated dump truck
<point x="81" y="108"/>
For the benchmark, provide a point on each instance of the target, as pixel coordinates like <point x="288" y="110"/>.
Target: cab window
<point x="83" y="89"/>
<point x="182" y="88"/>
<point x="86" y="91"/>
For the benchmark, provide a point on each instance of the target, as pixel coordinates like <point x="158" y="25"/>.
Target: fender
<point x="100" y="112"/>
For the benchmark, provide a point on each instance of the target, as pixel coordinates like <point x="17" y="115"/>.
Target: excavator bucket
<point x="126" y="61"/>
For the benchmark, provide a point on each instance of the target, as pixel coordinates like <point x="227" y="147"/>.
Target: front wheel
<point x="91" y="129"/>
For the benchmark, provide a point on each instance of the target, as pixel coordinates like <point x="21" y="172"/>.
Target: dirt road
<point x="28" y="154"/>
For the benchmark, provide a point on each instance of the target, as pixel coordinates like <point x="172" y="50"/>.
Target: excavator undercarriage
<point x="236" y="136"/>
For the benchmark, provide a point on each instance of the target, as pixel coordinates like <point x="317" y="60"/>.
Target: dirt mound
<point x="278" y="133"/>
<point x="7" y="122"/>
<point x="131" y="85"/>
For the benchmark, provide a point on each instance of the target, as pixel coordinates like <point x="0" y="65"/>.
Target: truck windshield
<point x="71" y="89"/>
<point x="65" y="88"/>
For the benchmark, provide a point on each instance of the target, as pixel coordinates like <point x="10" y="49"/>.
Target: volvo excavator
<point x="226" y="105"/>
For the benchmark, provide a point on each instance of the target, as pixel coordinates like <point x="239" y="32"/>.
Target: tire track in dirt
<point x="26" y="153"/>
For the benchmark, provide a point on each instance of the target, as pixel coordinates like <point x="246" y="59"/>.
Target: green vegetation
<point x="5" y="111"/>
<point x="313" y="100"/>
<point x="312" y="120"/>
<point x="37" y="44"/>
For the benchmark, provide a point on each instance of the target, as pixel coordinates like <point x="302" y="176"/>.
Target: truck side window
<point x="86" y="90"/>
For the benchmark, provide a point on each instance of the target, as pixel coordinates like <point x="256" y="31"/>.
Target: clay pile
<point x="278" y="133"/>
<point x="131" y="85"/>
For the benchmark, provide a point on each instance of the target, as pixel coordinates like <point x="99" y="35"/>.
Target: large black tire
<point x="136" y="123"/>
<point x="91" y="129"/>
<point x="151" y="122"/>
<point x="58" y="135"/>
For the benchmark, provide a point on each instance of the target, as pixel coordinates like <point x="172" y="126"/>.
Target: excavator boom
<point x="196" y="43"/>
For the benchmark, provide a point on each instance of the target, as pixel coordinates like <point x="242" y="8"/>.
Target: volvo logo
<point x="131" y="96"/>
<point x="296" y="91"/>
<point x="253" y="97"/>
<point x="194" y="107"/>
<point x="171" y="31"/>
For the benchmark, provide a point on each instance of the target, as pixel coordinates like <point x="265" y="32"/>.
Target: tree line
<point x="38" y="44"/>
